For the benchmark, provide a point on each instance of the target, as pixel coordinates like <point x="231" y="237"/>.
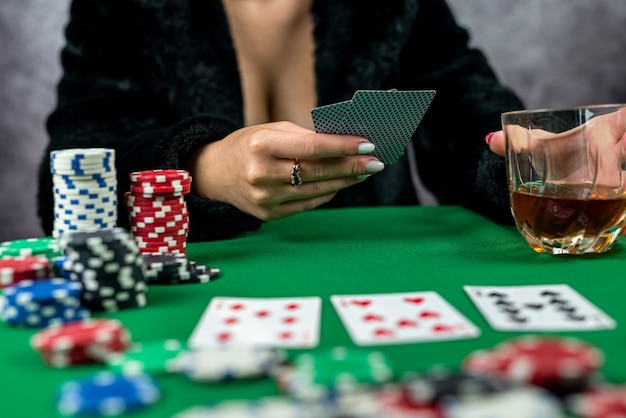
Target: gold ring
<point x="296" y="180"/>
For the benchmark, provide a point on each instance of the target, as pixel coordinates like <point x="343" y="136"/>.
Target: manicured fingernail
<point x="365" y="148"/>
<point x="488" y="137"/>
<point x="363" y="176"/>
<point x="374" y="166"/>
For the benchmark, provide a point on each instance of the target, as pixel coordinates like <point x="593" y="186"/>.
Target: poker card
<point x="398" y="318"/>
<point x="387" y="118"/>
<point x="537" y="308"/>
<point x="266" y="322"/>
<point x="330" y="119"/>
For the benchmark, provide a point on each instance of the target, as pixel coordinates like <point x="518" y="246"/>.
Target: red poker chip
<point x="156" y="200"/>
<point x="164" y="249"/>
<point x="150" y="225"/>
<point x="156" y="206"/>
<point x="165" y="215"/>
<point x="79" y="334"/>
<point x="161" y="217"/>
<point x="159" y="175"/>
<point x="173" y="235"/>
<point x="600" y="402"/>
<point x="160" y="240"/>
<point x="174" y="227"/>
<point x="16" y="269"/>
<point x="391" y="400"/>
<point x="162" y="189"/>
<point x="489" y="362"/>
<point x="167" y="227"/>
<point x="555" y="363"/>
<point x="170" y="244"/>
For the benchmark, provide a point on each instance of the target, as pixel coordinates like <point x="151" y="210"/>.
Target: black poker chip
<point x="440" y="384"/>
<point x="109" y="266"/>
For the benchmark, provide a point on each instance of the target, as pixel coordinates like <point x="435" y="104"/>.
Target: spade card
<point x="398" y="318"/>
<point x="537" y="308"/>
<point x="387" y="118"/>
<point x="266" y="322"/>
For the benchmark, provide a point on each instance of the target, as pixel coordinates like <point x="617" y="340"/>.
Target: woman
<point x="224" y="89"/>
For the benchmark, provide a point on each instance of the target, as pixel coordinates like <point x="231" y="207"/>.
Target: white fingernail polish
<point x="365" y="148"/>
<point x="363" y="176"/>
<point x="374" y="166"/>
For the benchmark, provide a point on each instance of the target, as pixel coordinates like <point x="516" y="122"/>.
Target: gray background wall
<point x="553" y="52"/>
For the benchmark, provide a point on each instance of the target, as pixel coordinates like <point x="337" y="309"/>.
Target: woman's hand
<point x="251" y="168"/>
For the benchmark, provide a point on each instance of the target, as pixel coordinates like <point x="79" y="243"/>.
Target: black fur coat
<point x="157" y="79"/>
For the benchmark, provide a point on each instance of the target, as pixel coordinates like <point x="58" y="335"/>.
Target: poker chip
<point x="157" y="210"/>
<point x="608" y="401"/>
<point x="147" y="357"/>
<point x="559" y="364"/>
<point x="107" y="394"/>
<point x="233" y="363"/>
<point x="265" y="407"/>
<point x="47" y="247"/>
<point x="440" y="384"/>
<point x="521" y="401"/>
<point x="109" y="266"/>
<point x="42" y="303"/>
<point x="85" y="189"/>
<point x="392" y="402"/>
<point x="86" y="341"/>
<point x="18" y="268"/>
<point x="173" y="268"/>
<point x="324" y="374"/>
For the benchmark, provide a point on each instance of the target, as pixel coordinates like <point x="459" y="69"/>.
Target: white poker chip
<point x="222" y="364"/>
<point x="519" y="402"/>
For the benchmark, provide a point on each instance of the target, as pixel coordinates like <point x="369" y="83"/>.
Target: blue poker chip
<point x="107" y="394"/>
<point x="40" y="303"/>
<point x="27" y="291"/>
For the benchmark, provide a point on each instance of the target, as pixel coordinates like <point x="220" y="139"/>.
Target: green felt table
<point x="339" y="251"/>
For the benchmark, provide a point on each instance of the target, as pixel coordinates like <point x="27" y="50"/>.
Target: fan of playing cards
<point x="386" y="118"/>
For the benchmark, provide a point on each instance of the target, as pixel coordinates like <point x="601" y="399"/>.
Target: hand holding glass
<point x="566" y="176"/>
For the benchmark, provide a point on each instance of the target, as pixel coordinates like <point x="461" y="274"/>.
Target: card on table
<point x="387" y="118"/>
<point x="555" y="307"/>
<point x="400" y="318"/>
<point x="291" y="322"/>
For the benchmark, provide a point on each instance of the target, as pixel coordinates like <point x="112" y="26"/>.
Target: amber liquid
<point x="568" y="218"/>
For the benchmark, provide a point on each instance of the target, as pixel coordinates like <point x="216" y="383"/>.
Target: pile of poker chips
<point x="47" y="247"/>
<point x="176" y="268"/>
<point x="154" y="357"/>
<point x="42" y="303"/>
<point x="557" y="364"/>
<point x="18" y="268"/>
<point x="438" y="384"/>
<point x="79" y="342"/>
<point x="232" y="363"/>
<point x="324" y="375"/>
<point x="157" y="209"/>
<point x="107" y="394"/>
<point x="85" y="189"/>
<point x="109" y="266"/>
<point x="601" y="402"/>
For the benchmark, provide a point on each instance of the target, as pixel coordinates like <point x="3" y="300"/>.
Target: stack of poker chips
<point x="42" y="303"/>
<point x="47" y="247"/>
<point x="85" y="189"/>
<point x="109" y="266"/>
<point x="171" y="268"/>
<point x="18" y="268"/>
<point x="559" y="365"/>
<point x="157" y="210"/>
<point x="80" y="342"/>
<point x="107" y="394"/>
